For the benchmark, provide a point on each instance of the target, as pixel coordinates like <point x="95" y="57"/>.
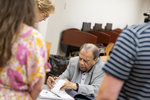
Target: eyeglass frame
<point x="45" y="16"/>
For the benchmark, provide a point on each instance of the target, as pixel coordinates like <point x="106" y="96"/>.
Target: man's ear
<point x="95" y="60"/>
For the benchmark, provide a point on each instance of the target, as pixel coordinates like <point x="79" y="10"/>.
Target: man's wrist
<point x="77" y="85"/>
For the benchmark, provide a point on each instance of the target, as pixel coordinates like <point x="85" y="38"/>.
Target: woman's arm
<point x="37" y="88"/>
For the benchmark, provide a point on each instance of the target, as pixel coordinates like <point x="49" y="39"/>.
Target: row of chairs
<point x="86" y="27"/>
<point x="104" y="57"/>
<point x="105" y="36"/>
<point x="73" y="38"/>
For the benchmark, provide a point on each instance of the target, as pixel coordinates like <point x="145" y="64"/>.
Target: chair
<point x="75" y="29"/>
<point x="113" y="35"/>
<point x="97" y="27"/>
<point x="117" y="30"/>
<point x="72" y="40"/>
<point x="108" y="27"/>
<point x="86" y="27"/>
<point x="104" y="58"/>
<point x="48" y="46"/>
<point x="102" y="38"/>
<point x="108" y="49"/>
<point x="107" y="52"/>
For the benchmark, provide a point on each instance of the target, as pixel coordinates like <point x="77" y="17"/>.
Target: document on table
<point x="55" y="93"/>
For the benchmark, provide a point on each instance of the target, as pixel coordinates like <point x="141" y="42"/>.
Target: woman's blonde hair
<point x="13" y="13"/>
<point x="45" y="6"/>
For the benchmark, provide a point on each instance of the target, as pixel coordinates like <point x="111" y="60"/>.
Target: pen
<point x="56" y="94"/>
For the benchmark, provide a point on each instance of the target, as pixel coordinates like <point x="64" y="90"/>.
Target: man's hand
<point x="68" y="85"/>
<point x="51" y="82"/>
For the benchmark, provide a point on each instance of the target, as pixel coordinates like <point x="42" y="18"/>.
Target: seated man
<point x="84" y="73"/>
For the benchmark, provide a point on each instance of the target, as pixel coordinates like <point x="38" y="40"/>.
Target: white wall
<point x="118" y="12"/>
<point x="42" y="26"/>
<point x="54" y="26"/>
<point x="145" y="8"/>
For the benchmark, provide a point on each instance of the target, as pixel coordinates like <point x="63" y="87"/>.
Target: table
<point x="104" y="58"/>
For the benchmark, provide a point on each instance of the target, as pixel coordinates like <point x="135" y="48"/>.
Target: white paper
<point x="58" y="85"/>
<point x="46" y="94"/>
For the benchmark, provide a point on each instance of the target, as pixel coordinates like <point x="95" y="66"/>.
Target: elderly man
<point x="84" y="73"/>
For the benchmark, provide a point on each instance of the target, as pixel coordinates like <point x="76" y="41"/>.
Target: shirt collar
<point x="86" y="71"/>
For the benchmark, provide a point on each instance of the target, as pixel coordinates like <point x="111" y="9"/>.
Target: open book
<point x="55" y="93"/>
<point x="62" y="95"/>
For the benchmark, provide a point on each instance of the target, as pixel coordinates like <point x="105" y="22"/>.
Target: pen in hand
<point x="51" y="82"/>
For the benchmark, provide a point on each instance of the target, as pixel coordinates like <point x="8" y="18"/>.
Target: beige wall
<point x="118" y="12"/>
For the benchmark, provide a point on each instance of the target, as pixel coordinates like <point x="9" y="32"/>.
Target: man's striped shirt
<point x="130" y="62"/>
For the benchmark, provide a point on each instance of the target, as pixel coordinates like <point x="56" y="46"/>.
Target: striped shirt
<point x="130" y="62"/>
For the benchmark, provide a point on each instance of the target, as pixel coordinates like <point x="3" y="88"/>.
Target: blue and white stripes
<point x="130" y="62"/>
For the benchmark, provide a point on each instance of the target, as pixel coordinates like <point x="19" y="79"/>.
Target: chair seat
<point x="104" y="58"/>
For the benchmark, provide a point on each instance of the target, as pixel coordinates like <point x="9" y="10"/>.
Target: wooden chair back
<point x="108" y="48"/>
<point x="48" y="46"/>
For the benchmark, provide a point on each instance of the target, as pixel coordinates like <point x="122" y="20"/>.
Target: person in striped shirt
<point x="127" y="72"/>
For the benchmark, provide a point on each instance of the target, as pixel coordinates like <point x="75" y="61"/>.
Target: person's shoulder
<point x="74" y="61"/>
<point x="99" y="63"/>
<point x="135" y="31"/>
<point x="98" y="66"/>
<point x="31" y="32"/>
<point x="138" y="28"/>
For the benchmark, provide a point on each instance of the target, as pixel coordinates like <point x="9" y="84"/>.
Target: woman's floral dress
<point x="27" y="64"/>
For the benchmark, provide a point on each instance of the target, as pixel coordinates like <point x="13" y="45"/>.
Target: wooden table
<point x="104" y="58"/>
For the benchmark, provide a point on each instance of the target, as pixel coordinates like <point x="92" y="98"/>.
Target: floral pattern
<point x="22" y="54"/>
<point x="27" y="64"/>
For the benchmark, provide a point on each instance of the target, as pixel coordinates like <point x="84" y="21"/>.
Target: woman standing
<point x="44" y="9"/>
<point x="22" y="51"/>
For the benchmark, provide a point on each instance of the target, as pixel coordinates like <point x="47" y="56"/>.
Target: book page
<point x="58" y="85"/>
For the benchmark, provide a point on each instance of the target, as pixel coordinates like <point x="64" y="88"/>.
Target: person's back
<point x="21" y="72"/>
<point x="137" y="77"/>
<point x="22" y="52"/>
<point x="128" y="67"/>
